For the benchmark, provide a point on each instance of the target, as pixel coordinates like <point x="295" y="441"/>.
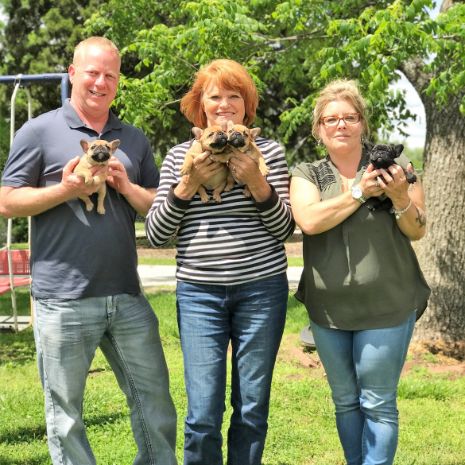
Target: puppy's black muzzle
<point x="220" y="141"/>
<point x="382" y="162"/>
<point x="236" y="139"/>
<point x="101" y="155"/>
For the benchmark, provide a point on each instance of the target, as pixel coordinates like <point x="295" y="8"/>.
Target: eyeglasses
<point x="331" y="121"/>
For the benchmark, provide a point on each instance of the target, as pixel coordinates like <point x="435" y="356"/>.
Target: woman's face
<point x="345" y="135"/>
<point x="221" y="105"/>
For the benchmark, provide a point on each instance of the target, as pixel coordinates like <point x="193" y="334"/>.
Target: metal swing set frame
<point x="14" y="263"/>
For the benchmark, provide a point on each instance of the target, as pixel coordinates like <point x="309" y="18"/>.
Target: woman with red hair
<point x="231" y="271"/>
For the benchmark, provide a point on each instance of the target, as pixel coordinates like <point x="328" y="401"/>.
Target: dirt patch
<point x="292" y="351"/>
<point x="147" y="252"/>
<point x="420" y="355"/>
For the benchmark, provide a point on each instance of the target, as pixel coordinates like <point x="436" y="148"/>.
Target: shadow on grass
<point x="38" y="433"/>
<point x="282" y="463"/>
<point x="17" y="349"/>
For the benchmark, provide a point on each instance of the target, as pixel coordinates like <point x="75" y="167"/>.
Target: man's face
<point x="94" y="76"/>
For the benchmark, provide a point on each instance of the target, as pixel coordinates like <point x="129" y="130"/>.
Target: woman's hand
<point x="203" y="168"/>
<point x="369" y="183"/>
<point x="408" y="201"/>
<point x="394" y="184"/>
<point x="246" y="171"/>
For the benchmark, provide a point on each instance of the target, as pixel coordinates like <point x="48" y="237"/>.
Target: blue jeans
<point x="363" y="369"/>
<point x="252" y="317"/>
<point x="67" y="334"/>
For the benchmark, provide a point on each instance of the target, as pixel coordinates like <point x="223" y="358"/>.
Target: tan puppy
<point x="96" y="153"/>
<point x="242" y="139"/>
<point x="212" y="139"/>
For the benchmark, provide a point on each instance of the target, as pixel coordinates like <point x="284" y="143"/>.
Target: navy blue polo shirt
<point x="75" y="253"/>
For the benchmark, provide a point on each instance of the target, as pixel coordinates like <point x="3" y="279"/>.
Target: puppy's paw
<point x="101" y="210"/>
<point x="246" y="192"/>
<point x="204" y="198"/>
<point x="217" y="197"/>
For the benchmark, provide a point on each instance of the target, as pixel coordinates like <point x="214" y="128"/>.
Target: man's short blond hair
<point x="97" y="41"/>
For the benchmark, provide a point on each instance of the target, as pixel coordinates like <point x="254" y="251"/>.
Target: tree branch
<point x="414" y="72"/>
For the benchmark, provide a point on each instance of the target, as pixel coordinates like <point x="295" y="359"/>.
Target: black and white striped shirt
<point x="232" y="242"/>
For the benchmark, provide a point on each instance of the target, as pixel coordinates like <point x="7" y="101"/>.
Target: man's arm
<point x="30" y="201"/>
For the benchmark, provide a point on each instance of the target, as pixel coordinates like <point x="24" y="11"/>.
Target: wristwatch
<point x="357" y="193"/>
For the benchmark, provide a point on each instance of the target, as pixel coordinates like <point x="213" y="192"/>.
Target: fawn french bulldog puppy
<point x="214" y="140"/>
<point x="96" y="152"/>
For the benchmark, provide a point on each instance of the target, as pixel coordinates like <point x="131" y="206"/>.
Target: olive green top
<point x="363" y="273"/>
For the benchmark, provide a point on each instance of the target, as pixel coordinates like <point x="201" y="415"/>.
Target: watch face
<point x="356" y="192"/>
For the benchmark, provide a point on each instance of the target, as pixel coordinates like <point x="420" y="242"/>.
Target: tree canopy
<point x="292" y="48"/>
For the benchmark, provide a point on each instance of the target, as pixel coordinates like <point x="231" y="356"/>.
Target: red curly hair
<point x="227" y="74"/>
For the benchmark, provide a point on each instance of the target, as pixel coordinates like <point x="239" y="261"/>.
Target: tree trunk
<point x="442" y="252"/>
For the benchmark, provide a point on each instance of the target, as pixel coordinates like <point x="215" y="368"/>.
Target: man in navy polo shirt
<point x="85" y="285"/>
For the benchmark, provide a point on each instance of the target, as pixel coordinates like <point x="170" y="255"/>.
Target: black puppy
<point x="382" y="156"/>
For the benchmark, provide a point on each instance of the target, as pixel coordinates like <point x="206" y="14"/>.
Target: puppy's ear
<point x="398" y="149"/>
<point x="254" y="132"/>
<point x="84" y="145"/>
<point x="114" y="145"/>
<point x="197" y="132"/>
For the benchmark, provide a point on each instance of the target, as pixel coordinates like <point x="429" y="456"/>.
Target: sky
<point x="416" y="129"/>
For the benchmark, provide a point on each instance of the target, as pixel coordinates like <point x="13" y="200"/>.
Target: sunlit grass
<point x="301" y="424"/>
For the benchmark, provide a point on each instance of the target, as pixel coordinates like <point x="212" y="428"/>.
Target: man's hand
<point x="75" y="185"/>
<point x="118" y="177"/>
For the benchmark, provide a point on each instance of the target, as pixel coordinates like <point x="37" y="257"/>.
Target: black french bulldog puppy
<point x="382" y="156"/>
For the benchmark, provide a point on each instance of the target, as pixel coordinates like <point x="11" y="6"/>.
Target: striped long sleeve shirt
<point x="232" y="242"/>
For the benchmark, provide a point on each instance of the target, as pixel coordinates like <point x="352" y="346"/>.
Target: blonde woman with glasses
<point x="361" y="284"/>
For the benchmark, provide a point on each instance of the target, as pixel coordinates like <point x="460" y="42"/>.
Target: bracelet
<point x="399" y="213"/>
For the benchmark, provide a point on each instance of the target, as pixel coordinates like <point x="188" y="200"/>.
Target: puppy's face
<point x="212" y="138"/>
<point x="98" y="152"/>
<point x="382" y="155"/>
<point x="240" y="136"/>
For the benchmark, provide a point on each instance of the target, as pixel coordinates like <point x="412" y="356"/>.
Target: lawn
<point x="301" y="424"/>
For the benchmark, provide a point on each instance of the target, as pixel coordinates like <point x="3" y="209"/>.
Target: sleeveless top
<point x="363" y="273"/>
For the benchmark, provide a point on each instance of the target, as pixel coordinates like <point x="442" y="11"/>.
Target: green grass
<point x="301" y="425"/>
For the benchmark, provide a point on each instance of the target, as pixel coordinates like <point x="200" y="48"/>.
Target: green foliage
<point x="39" y="37"/>
<point x="292" y="48"/>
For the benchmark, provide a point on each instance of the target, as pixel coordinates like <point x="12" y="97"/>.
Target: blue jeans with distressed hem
<point x="363" y="369"/>
<point x="67" y="334"/>
<point x="251" y="316"/>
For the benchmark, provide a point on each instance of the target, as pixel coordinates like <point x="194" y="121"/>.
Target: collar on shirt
<point x="74" y="122"/>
